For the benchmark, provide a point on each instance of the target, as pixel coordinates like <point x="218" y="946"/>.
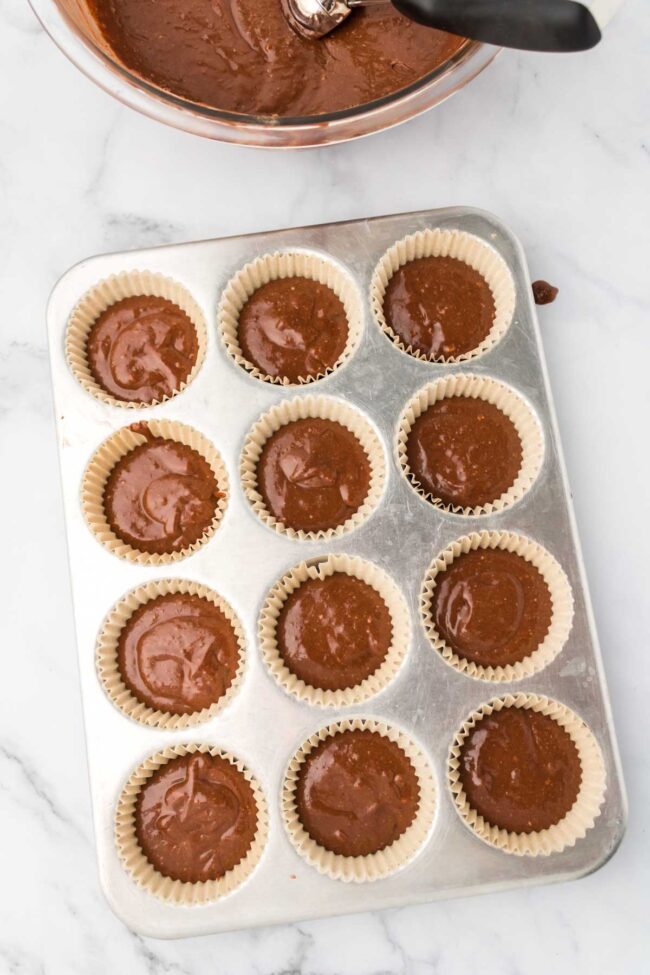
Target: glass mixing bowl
<point x="71" y="27"/>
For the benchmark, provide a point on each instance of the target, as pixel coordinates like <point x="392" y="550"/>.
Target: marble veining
<point x="558" y="147"/>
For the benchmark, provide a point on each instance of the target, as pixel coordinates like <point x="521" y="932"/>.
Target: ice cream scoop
<point x="534" y="25"/>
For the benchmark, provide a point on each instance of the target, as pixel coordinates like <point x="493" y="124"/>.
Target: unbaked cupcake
<point x="136" y="339"/>
<point x="527" y="775"/>
<point x="358" y="800"/>
<point x="312" y="467"/>
<point x="170" y="653"/>
<point x="191" y="824"/>
<point x="334" y="631"/>
<point x="155" y="491"/>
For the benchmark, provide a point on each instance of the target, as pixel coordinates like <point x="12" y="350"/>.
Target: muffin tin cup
<point x="319" y="569"/>
<point x="287" y="264"/>
<point x="585" y="810"/>
<point x="312" y="407"/>
<point x="555" y="579"/>
<point x="139" y="867"/>
<point x="103" y="461"/>
<point x="373" y="866"/>
<point x="474" y="252"/>
<point x="498" y="394"/>
<point x="107" y="654"/>
<point x="128" y="284"/>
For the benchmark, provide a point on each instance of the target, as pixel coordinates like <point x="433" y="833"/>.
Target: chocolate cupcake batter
<point x="520" y="770"/>
<point x="242" y="56"/>
<point x="142" y="349"/>
<point x="464" y="451"/>
<point x="293" y="328"/>
<point x="492" y="607"/>
<point x="439" y="306"/>
<point x="161" y="496"/>
<point x="334" y="632"/>
<point x="196" y="818"/>
<point x="178" y="653"/>
<point x="313" y="474"/>
<point x="357" y="793"/>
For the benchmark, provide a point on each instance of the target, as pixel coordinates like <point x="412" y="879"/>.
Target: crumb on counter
<point x="544" y="293"/>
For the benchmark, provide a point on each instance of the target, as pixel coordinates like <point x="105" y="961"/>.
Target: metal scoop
<point x="533" y="25"/>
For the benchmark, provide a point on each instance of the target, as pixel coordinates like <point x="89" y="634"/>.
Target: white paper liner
<point x="584" y="812"/>
<point x="144" y="873"/>
<point x="302" y="408"/>
<point x="319" y="569"/>
<point x="128" y="284"/>
<point x="107" y="654"/>
<point x="559" y="590"/>
<point x="102" y="463"/>
<point x="463" y="247"/>
<point x="499" y="395"/>
<point x="373" y="866"/>
<point x="287" y="264"/>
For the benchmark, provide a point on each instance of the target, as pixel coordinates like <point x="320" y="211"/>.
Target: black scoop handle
<point x="530" y="25"/>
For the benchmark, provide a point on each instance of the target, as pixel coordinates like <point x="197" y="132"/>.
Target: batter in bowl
<point x="242" y="56"/>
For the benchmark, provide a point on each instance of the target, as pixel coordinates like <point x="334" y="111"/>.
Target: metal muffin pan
<point x="263" y="725"/>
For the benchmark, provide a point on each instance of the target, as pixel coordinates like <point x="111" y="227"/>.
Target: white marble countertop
<point x="558" y="147"/>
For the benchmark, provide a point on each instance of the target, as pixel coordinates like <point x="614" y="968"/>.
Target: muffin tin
<point x="262" y="724"/>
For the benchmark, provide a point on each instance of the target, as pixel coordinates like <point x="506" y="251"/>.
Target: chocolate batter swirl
<point x="196" y="818"/>
<point x="357" y="793"/>
<point x="161" y="496"/>
<point x="313" y="474"/>
<point x="293" y="328"/>
<point x="178" y="653"/>
<point x="464" y="451"/>
<point x="142" y="349"/>
<point x="439" y="306"/>
<point x="520" y="770"/>
<point x="492" y="607"/>
<point x="334" y="632"/>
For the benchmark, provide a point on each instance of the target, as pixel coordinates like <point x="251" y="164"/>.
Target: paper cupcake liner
<point x="555" y="579"/>
<point x="129" y="284"/>
<point x="144" y="873"/>
<point x="373" y="866"/>
<point x="585" y="810"/>
<point x="320" y="569"/>
<point x="311" y="407"/>
<point x="499" y="395"/>
<point x="107" y="654"/>
<point x="464" y="247"/>
<point x="102" y="463"/>
<point x="271" y="267"/>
